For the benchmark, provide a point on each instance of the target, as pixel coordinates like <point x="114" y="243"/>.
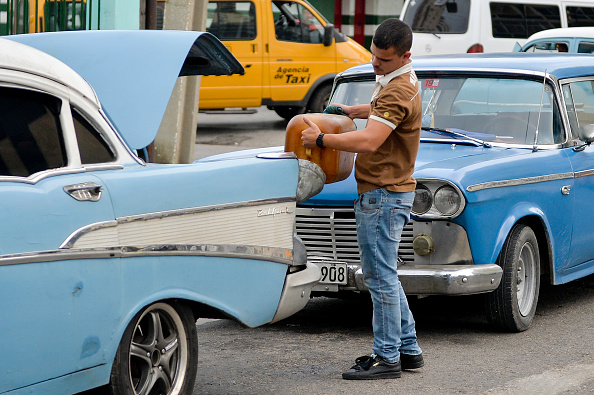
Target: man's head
<point x="391" y="46"/>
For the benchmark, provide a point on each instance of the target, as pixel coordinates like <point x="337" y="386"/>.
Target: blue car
<point x="505" y="174"/>
<point x="106" y="261"/>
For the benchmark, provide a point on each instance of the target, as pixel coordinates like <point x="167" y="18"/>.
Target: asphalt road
<point x="306" y="353"/>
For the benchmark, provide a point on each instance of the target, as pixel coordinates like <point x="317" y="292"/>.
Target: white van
<point x="458" y="26"/>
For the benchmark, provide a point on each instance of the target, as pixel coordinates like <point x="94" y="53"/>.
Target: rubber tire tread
<point x="502" y="305"/>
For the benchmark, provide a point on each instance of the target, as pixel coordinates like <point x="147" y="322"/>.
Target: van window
<point x="438" y="16"/>
<point x="522" y="20"/>
<point x="293" y="22"/>
<point x="231" y="20"/>
<point x="580" y="16"/>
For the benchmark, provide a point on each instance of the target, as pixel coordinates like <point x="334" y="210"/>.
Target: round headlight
<point x="423" y="200"/>
<point x="447" y="200"/>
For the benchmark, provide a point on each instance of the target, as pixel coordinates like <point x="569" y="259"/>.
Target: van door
<point x="238" y="25"/>
<point x="297" y="56"/>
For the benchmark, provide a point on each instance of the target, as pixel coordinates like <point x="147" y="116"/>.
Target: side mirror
<point x="586" y="133"/>
<point x="452" y="7"/>
<point x="328" y="34"/>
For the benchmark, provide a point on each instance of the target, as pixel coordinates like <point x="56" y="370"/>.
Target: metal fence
<point x="32" y="16"/>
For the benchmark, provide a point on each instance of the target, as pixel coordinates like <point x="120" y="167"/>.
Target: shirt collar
<point x="384" y="79"/>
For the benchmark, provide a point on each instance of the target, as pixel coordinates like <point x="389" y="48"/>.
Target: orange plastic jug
<point x="337" y="165"/>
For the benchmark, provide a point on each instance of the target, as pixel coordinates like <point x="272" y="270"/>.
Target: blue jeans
<point x="381" y="216"/>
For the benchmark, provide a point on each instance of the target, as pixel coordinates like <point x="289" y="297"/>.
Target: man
<point x="387" y="150"/>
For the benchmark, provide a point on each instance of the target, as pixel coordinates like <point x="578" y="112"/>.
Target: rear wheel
<point x="158" y="353"/>
<point x="512" y="305"/>
<point x="289" y="112"/>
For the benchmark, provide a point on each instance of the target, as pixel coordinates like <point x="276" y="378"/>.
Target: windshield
<point x="496" y="110"/>
<point x="438" y="16"/>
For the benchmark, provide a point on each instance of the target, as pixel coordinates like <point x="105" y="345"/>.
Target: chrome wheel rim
<point x="526" y="279"/>
<point x="158" y="352"/>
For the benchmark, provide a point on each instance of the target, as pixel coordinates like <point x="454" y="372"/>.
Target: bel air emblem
<point x="275" y="211"/>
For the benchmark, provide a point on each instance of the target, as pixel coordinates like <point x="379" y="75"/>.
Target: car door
<point x="238" y="25"/>
<point x="579" y="101"/>
<point x="45" y="197"/>
<point x="297" y="55"/>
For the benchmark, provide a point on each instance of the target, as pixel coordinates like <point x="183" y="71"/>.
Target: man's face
<point x="384" y="61"/>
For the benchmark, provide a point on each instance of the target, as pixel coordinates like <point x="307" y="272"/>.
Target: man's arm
<point x="361" y="111"/>
<point x="365" y="140"/>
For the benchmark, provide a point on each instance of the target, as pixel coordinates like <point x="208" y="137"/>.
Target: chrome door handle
<point x="87" y="191"/>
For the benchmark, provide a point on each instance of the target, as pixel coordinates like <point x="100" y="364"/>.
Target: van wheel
<point x="512" y="305"/>
<point x="158" y="352"/>
<point x="319" y="100"/>
<point x="289" y="112"/>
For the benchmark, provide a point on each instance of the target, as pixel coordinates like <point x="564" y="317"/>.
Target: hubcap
<point x="526" y="279"/>
<point x="157" y="359"/>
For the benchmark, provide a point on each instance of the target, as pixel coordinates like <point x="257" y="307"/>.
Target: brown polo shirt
<point x="397" y="104"/>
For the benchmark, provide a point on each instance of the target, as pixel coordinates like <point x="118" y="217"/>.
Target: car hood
<point x="451" y="160"/>
<point x="133" y="72"/>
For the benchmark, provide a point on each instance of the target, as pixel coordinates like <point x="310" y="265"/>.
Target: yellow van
<point x="289" y="51"/>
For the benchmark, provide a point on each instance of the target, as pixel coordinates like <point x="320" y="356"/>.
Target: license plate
<point x="333" y="273"/>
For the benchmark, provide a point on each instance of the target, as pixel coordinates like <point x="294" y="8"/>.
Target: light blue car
<point x="505" y="177"/>
<point x="107" y="261"/>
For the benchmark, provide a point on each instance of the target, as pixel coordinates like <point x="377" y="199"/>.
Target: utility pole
<point x="177" y="134"/>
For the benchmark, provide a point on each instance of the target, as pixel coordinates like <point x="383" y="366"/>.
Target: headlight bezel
<point x="434" y="185"/>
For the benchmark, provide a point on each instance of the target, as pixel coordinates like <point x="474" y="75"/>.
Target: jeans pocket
<point x="369" y="202"/>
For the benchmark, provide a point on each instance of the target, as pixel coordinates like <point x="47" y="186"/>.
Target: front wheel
<point x="512" y="305"/>
<point x="158" y="353"/>
<point x="320" y="98"/>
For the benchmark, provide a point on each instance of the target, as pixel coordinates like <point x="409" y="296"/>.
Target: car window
<point x="548" y="46"/>
<point x="579" y="101"/>
<point x="438" y="16"/>
<point x="586" y="47"/>
<point x="501" y="110"/>
<point x="579" y="16"/>
<point x="522" y="20"/>
<point x="231" y="20"/>
<point x="293" y="22"/>
<point x="91" y="145"/>
<point x="30" y="134"/>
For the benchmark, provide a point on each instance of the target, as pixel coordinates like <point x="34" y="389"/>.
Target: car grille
<point x="331" y="234"/>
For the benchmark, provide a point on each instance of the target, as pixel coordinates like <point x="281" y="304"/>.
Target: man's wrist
<point x="320" y="140"/>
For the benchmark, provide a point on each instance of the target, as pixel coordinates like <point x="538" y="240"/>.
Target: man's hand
<point x="309" y="135"/>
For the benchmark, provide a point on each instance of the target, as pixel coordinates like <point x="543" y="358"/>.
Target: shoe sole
<point x="379" y="376"/>
<point x="415" y="365"/>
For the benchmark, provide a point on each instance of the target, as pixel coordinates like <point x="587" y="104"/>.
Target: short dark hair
<point x="393" y="33"/>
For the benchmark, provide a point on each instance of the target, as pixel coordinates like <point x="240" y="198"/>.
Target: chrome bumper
<point x="297" y="290"/>
<point x="432" y="279"/>
<point x="449" y="280"/>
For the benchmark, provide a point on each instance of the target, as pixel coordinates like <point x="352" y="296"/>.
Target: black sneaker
<point x="368" y="368"/>
<point x="410" y="362"/>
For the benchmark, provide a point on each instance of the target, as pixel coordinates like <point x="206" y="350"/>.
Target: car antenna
<point x="544" y="84"/>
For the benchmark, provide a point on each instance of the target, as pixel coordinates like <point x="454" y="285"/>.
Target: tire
<point x="319" y="100"/>
<point x="158" y="353"/>
<point x="512" y="305"/>
<point x="289" y="112"/>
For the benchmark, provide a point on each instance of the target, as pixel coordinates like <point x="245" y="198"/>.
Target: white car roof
<point x="21" y="57"/>
<point x="563" y="32"/>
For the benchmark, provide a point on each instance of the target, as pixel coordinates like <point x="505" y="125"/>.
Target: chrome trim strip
<point x="584" y="173"/>
<point x="520" y="181"/>
<point x="35" y="178"/>
<point x="202" y="209"/>
<point x="272" y="254"/>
